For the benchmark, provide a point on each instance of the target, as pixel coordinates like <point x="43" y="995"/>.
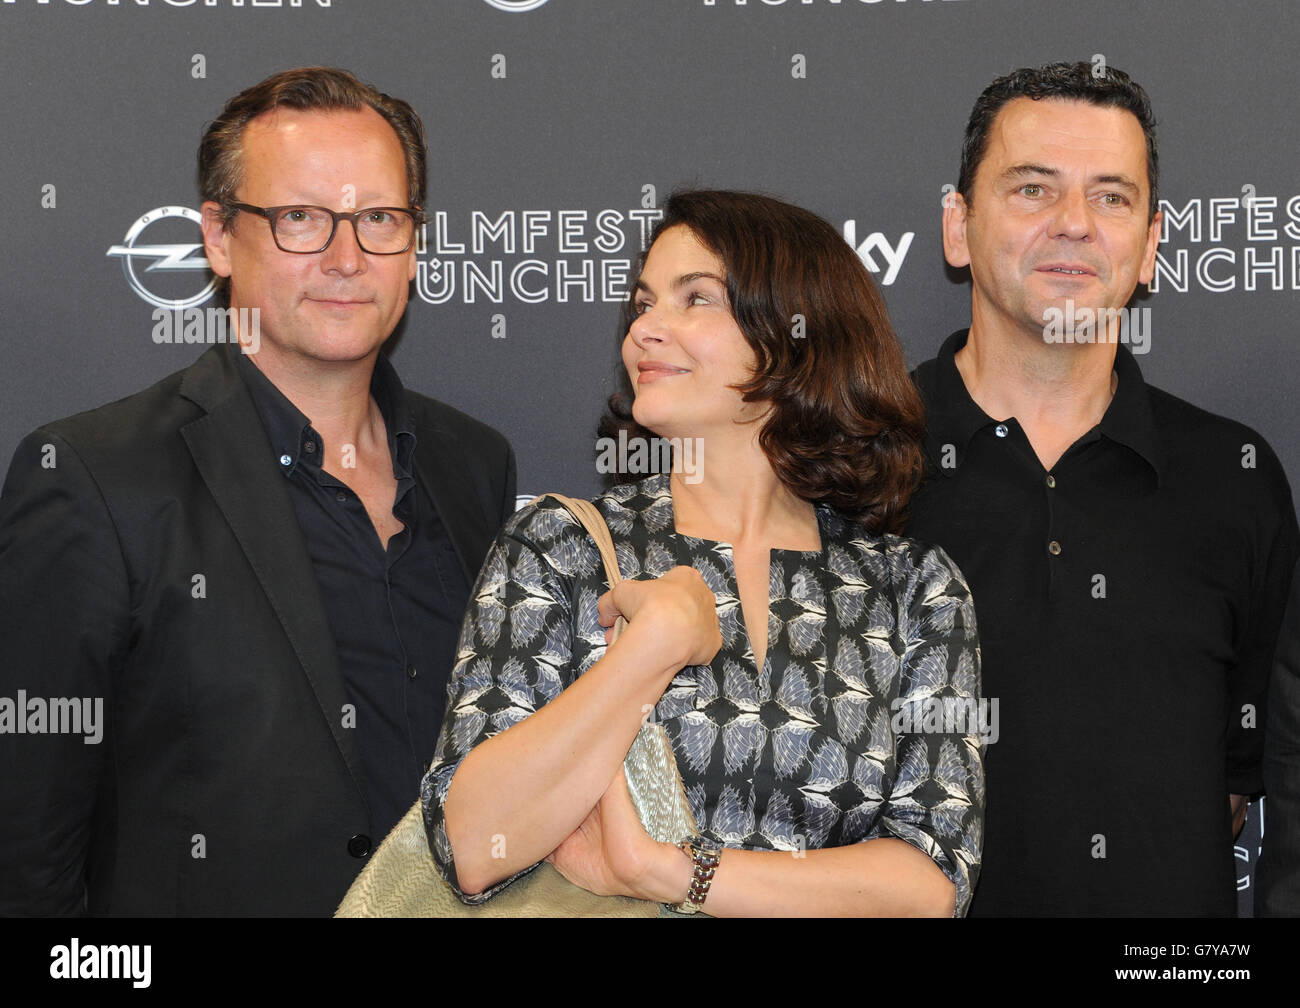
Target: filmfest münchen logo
<point x="1229" y="242"/>
<point x="515" y="6"/>
<point x="163" y="258"/>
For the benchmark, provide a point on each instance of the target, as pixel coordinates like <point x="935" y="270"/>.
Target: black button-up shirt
<point x="1128" y="603"/>
<point x="395" y="613"/>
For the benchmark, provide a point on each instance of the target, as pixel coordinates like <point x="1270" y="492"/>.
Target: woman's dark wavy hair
<point x="846" y="423"/>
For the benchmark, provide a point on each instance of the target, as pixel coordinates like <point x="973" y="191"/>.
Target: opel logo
<point x="163" y="258"/>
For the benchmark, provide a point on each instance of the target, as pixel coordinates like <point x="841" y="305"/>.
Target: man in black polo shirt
<point x="254" y="571"/>
<point x="1128" y="553"/>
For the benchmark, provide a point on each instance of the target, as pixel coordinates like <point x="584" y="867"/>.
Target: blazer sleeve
<point x="64" y="628"/>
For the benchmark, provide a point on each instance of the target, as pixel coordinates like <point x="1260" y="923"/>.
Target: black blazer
<point x="150" y="557"/>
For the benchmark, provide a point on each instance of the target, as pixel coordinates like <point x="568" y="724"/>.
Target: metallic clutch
<point x="656" y="787"/>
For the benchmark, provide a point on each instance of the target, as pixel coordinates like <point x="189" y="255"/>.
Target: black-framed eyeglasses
<point x="307" y="230"/>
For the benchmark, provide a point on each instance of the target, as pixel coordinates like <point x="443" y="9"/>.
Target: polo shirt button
<point x="359" y="845"/>
<point x="341" y="497"/>
<point x="1051" y="482"/>
<point x="286" y="460"/>
<point x="309" y="447"/>
<point x="411" y="673"/>
<point x="1054" y="548"/>
<point x="1000" y="430"/>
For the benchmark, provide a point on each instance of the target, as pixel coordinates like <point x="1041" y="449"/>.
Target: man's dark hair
<point x="324" y="89"/>
<point x="846" y="422"/>
<point x="1082" y="81"/>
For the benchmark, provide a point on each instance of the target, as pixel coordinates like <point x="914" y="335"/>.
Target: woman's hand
<point x="680" y="607"/>
<point x="611" y="854"/>
<point x="542" y="779"/>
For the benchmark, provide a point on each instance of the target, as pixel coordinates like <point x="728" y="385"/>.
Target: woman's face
<point x="684" y="351"/>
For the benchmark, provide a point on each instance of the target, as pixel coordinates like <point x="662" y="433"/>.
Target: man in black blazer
<point x="229" y="603"/>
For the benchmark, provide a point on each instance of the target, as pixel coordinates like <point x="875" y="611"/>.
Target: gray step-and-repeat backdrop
<point x="557" y="127"/>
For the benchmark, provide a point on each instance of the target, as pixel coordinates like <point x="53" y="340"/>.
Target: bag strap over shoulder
<point x="590" y="519"/>
<point x="650" y="768"/>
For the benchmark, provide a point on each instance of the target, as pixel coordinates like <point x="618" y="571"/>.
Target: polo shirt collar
<point x="1129" y="420"/>
<point x="954" y="418"/>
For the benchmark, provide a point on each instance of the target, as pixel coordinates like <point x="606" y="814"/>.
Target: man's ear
<point x="1149" y="256"/>
<point x="954" y="230"/>
<point x="215" y="238"/>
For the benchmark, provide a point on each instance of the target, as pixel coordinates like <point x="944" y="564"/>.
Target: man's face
<point x="334" y="306"/>
<point x="1058" y="213"/>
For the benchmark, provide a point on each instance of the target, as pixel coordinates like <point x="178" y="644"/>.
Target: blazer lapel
<point x="231" y="452"/>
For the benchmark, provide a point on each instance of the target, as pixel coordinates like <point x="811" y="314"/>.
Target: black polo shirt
<point x="395" y="613"/>
<point x="1128" y="604"/>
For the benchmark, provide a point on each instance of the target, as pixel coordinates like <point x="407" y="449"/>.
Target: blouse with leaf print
<point x="863" y="723"/>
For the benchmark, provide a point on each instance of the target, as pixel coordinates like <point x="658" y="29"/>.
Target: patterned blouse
<point x="847" y="734"/>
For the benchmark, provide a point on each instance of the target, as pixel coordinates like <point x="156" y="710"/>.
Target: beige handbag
<point x="401" y="880"/>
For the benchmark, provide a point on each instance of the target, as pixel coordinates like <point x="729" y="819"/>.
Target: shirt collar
<point x="295" y="442"/>
<point x="388" y="392"/>
<point x="953" y="418"/>
<point x="1129" y="419"/>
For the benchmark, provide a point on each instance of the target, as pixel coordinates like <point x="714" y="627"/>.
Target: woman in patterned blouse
<point x="818" y="677"/>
